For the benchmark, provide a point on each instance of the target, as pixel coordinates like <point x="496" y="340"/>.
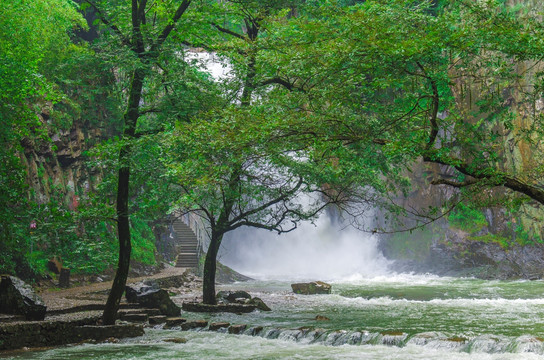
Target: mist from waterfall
<point x="327" y="251"/>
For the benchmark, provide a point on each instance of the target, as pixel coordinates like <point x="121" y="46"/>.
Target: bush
<point x="468" y="219"/>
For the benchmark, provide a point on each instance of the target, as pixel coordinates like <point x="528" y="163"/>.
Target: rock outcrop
<point x="53" y="333"/>
<point x="17" y="297"/>
<point x="455" y="253"/>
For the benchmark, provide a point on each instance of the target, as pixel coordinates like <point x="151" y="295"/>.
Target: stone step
<point x="186" y="264"/>
<point x="192" y="244"/>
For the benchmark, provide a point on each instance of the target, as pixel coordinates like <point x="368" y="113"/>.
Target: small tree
<point x="142" y="41"/>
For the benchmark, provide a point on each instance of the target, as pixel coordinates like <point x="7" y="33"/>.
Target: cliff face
<point x="59" y="167"/>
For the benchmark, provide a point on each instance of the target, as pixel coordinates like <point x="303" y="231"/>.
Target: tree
<point x="252" y="157"/>
<point x="143" y="41"/>
<point x="438" y="84"/>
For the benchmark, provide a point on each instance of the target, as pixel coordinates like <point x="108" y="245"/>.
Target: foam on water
<point x="209" y="345"/>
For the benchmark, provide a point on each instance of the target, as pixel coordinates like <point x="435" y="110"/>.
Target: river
<point x="373" y="313"/>
<point x="398" y="316"/>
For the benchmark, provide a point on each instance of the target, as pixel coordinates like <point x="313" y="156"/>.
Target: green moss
<point x="504" y="243"/>
<point x="467" y="219"/>
<point x="526" y="236"/>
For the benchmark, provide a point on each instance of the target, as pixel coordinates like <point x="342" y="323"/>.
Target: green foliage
<point x="526" y="236"/>
<point x="467" y="218"/>
<point x="503" y="242"/>
<point x="143" y="242"/>
<point x="34" y="38"/>
<point x="37" y="262"/>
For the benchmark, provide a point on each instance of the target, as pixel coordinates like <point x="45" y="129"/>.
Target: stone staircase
<point x="188" y="248"/>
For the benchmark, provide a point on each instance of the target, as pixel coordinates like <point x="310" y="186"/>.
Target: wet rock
<point x="232" y="308"/>
<point x="133" y="290"/>
<point x="189" y="325"/>
<point x="17" y="297"/>
<point x="54" y="333"/>
<point x="232" y="296"/>
<point x="153" y="298"/>
<point x="155" y="320"/>
<point x="111" y="340"/>
<point x="237" y="329"/>
<point x="253" y="331"/>
<point x="259" y="304"/>
<point x="176" y="340"/>
<point x="134" y="317"/>
<point x="321" y="318"/>
<point x="311" y="288"/>
<point x="173" y="322"/>
<point x="218" y="325"/>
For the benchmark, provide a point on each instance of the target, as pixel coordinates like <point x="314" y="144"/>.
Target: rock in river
<point x="310" y="288"/>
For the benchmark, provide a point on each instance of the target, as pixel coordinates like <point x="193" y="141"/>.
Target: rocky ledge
<point x="52" y="333"/>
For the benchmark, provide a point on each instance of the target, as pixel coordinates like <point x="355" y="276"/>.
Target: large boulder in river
<point x="233" y="296"/>
<point x="17" y="297"/>
<point x="152" y="298"/>
<point x="311" y="288"/>
<point x="259" y="303"/>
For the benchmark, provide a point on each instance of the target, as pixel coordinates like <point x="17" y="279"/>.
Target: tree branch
<point x="457" y="184"/>
<point x="227" y="31"/>
<point x="498" y="179"/>
<point x="108" y="23"/>
<point x="168" y="28"/>
<point x="279" y="81"/>
<point x="268" y="204"/>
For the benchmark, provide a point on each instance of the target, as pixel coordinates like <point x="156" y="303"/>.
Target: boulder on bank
<point x="311" y="288"/>
<point x="151" y="297"/>
<point x="17" y="297"/>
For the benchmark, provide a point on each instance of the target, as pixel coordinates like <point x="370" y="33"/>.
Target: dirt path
<point x="93" y="293"/>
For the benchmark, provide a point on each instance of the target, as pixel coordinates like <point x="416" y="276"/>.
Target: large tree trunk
<point x="208" y="284"/>
<point x="123" y="221"/>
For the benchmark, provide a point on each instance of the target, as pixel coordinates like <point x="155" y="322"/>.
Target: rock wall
<point x="59" y="166"/>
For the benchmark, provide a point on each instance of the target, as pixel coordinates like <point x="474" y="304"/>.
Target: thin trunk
<point x="123" y="220"/>
<point x="208" y="291"/>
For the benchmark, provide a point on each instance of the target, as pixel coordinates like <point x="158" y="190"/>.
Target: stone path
<point x="56" y="299"/>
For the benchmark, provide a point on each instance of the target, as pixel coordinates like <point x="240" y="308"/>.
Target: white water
<point x="324" y="251"/>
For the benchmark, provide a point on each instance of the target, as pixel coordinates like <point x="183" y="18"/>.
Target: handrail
<point x="195" y="223"/>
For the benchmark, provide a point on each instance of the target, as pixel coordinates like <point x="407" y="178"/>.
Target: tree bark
<point x="123" y="219"/>
<point x="210" y="266"/>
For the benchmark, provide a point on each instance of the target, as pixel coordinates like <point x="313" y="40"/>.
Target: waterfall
<point x="326" y="250"/>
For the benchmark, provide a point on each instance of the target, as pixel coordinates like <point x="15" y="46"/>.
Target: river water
<point x="373" y="313"/>
<point x="397" y="316"/>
